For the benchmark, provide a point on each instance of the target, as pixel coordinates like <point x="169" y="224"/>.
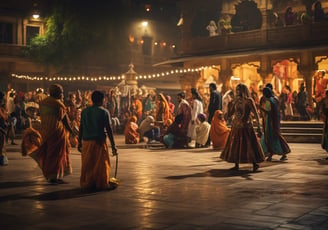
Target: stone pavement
<point x="171" y="189"/>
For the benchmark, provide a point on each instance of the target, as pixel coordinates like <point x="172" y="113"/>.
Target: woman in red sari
<point x="53" y="154"/>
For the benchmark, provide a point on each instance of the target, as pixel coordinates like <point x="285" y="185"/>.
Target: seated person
<point x="174" y="136"/>
<point x="131" y="131"/>
<point x="219" y="131"/>
<point x="202" y="131"/>
<point x="148" y="129"/>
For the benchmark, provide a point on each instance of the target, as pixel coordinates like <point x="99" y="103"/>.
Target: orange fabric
<point x="219" y="131"/>
<point x="53" y="154"/>
<point x="139" y="108"/>
<point x="131" y="133"/>
<point x="95" y="169"/>
<point x="31" y="141"/>
<point x="163" y="107"/>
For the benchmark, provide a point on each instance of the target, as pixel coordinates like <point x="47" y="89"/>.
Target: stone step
<point x="302" y="137"/>
<point x="301" y="130"/>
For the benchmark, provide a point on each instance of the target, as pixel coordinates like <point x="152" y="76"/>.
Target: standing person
<point x="196" y="108"/>
<point x="302" y="103"/>
<point x="74" y="114"/>
<point x="171" y="105"/>
<point x="3" y="129"/>
<point x="320" y="86"/>
<point x="184" y="110"/>
<point x="226" y="99"/>
<point x="53" y="154"/>
<point x="214" y="104"/>
<point x="324" y="141"/>
<point x="272" y="141"/>
<point x="162" y="110"/>
<point x="147" y="106"/>
<point x="95" y="126"/>
<point x="242" y="144"/>
<point x="289" y="113"/>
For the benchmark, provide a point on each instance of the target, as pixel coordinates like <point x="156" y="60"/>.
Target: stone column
<point x="225" y="75"/>
<point x="265" y="70"/>
<point x="307" y="69"/>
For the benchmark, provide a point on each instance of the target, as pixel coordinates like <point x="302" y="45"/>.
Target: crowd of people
<point x="231" y="123"/>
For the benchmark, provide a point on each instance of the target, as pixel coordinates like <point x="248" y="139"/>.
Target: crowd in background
<point x="128" y="116"/>
<point x="52" y="123"/>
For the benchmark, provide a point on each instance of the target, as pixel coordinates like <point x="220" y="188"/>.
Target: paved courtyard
<point x="171" y="189"/>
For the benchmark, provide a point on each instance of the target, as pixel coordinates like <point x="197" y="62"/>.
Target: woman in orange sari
<point x="131" y="133"/>
<point x="219" y="131"/>
<point x="162" y="110"/>
<point x="53" y="154"/>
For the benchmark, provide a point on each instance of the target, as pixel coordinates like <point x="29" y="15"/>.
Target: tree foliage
<point x="76" y="28"/>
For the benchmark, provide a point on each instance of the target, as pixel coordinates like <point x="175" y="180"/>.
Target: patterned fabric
<point x="272" y="141"/>
<point x="242" y="144"/>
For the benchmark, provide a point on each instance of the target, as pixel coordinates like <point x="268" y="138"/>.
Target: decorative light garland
<point x="109" y="78"/>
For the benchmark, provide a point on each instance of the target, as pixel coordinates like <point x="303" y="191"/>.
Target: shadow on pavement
<point x="15" y="184"/>
<point x="322" y="161"/>
<point x="56" y="195"/>
<point x="216" y="173"/>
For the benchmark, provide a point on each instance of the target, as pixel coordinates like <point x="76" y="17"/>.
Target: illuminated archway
<point x="246" y="73"/>
<point x="285" y="72"/>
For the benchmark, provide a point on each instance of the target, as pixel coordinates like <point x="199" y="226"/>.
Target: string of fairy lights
<point x="109" y="78"/>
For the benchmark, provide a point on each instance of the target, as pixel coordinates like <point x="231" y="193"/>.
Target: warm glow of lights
<point x="106" y="78"/>
<point x="156" y="43"/>
<point x="233" y="78"/>
<point x="35" y="16"/>
<point x="144" y="24"/>
<point x="131" y="38"/>
<point x="148" y="7"/>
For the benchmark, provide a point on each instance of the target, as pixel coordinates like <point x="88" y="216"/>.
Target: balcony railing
<point x="279" y="37"/>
